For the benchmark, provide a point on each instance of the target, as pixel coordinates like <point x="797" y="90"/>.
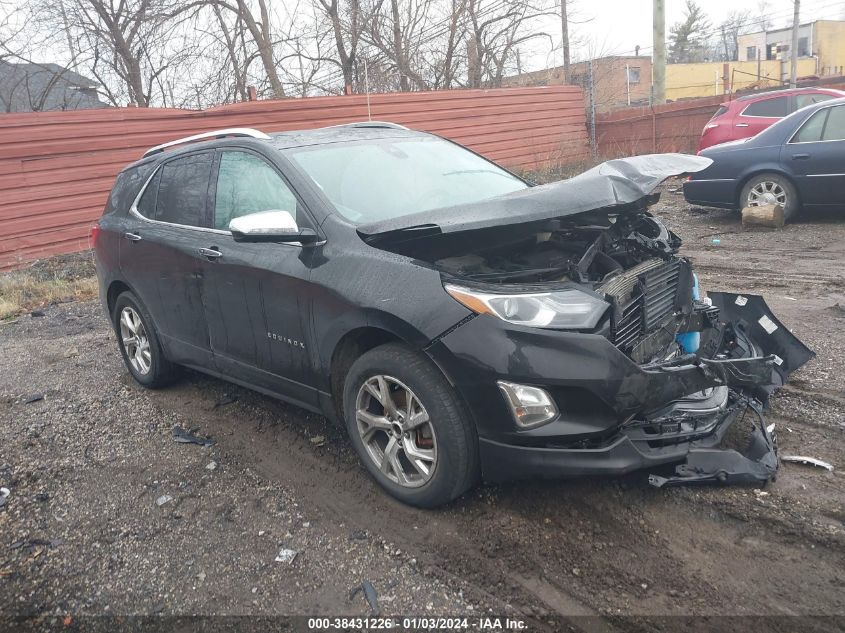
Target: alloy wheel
<point x="135" y="340"/>
<point x="766" y="192"/>
<point x="396" y="431"/>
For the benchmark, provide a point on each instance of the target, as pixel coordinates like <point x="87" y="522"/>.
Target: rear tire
<point x="139" y="344"/>
<point x="425" y="454"/>
<point x="771" y="188"/>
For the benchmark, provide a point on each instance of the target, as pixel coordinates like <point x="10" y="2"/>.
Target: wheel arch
<point x="115" y="289"/>
<point x="347" y="350"/>
<point x="359" y="340"/>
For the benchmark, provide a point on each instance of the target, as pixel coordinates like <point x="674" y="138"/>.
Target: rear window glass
<point x="834" y="129"/>
<point x="812" y="129"/>
<point x="126" y="187"/>
<point x="183" y="190"/>
<point x="777" y="107"/>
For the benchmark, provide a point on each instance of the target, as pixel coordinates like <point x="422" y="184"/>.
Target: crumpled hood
<point x="615" y="183"/>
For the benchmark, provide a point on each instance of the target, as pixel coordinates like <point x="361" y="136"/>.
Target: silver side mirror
<point x="266" y="225"/>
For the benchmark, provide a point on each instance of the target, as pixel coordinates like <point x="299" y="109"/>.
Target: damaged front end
<point x="748" y="354"/>
<point x="685" y="378"/>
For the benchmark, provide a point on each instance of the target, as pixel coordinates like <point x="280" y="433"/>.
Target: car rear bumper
<point x="711" y="193"/>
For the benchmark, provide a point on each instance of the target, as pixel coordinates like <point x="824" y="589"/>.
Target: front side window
<point x="776" y="107"/>
<point x="812" y="129"/>
<point x="247" y="184"/>
<point x="183" y="189"/>
<point x="380" y="179"/>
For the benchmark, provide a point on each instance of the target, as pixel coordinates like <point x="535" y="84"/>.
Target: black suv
<point x="459" y="321"/>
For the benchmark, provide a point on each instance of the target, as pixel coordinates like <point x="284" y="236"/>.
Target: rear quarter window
<point x="719" y="112"/>
<point x="126" y="187"/>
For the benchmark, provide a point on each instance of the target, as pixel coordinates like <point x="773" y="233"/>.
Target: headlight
<point x="562" y="309"/>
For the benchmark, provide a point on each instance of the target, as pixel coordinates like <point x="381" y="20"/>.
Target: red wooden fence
<point x="673" y="127"/>
<point x="57" y="168"/>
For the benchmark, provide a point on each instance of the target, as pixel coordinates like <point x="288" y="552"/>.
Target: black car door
<point x="160" y="258"/>
<point x="816" y="157"/>
<point x="256" y="294"/>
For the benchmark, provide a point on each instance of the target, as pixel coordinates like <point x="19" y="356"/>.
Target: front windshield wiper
<point x="478" y="171"/>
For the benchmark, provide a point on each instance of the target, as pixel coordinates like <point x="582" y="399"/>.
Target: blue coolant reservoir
<point x="690" y="341"/>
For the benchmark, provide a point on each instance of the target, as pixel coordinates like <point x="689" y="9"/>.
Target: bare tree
<point x="346" y="23"/>
<point x="496" y="35"/>
<point x="261" y="30"/>
<point x="237" y="55"/>
<point x="131" y="41"/>
<point x="735" y="24"/>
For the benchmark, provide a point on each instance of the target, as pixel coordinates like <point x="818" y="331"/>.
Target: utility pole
<point x="592" y="88"/>
<point x="564" y="31"/>
<point x="793" y="70"/>
<point x="658" y="33"/>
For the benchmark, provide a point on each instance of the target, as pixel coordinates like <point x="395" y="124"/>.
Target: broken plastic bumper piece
<point x="754" y="354"/>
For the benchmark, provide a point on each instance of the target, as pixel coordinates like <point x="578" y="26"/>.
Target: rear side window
<point x="803" y="100"/>
<point x="183" y="190"/>
<point x="776" y="107"/>
<point x="126" y="187"/>
<point x="247" y="184"/>
<point x="834" y="129"/>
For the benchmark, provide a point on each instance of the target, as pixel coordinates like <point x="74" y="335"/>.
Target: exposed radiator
<point x="645" y="296"/>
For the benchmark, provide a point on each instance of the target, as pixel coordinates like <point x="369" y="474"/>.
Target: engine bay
<point x="587" y="252"/>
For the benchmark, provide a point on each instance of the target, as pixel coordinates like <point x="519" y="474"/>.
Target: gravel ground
<point x="108" y="515"/>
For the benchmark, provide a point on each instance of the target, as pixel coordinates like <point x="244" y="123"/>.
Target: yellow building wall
<point x="705" y="79"/>
<point x="829" y="46"/>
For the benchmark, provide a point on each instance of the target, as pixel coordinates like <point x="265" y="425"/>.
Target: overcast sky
<point x="607" y="27"/>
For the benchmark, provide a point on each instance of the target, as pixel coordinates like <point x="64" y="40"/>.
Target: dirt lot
<point x="82" y="532"/>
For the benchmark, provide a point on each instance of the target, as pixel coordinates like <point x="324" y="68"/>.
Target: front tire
<point x="139" y="343"/>
<point x="771" y="188"/>
<point x="409" y="427"/>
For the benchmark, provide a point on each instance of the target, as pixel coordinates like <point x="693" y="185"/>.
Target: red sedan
<point x="746" y="116"/>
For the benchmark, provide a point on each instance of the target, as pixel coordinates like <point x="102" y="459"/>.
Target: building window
<point x="803" y="48"/>
<point x="633" y="74"/>
<point x="751" y="53"/>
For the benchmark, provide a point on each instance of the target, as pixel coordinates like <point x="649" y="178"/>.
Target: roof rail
<point x="234" y="131"/>
<point x="375" y="124"/>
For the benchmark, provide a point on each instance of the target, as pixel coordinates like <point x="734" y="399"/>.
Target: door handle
<point x="800" y="156"/>
<point x="211" y="253"/>
<point x="132" y="237"/>
<point x="742" y="125"/>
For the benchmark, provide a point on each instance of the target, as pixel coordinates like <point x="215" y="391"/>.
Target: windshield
<point x="381" y="179"/>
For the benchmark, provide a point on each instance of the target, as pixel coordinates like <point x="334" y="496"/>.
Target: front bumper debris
<point x="757" y="464"/>
<point x="748" y="329"/>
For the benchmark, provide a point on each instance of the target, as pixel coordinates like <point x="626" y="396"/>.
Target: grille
<point x="652" y="300"/>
